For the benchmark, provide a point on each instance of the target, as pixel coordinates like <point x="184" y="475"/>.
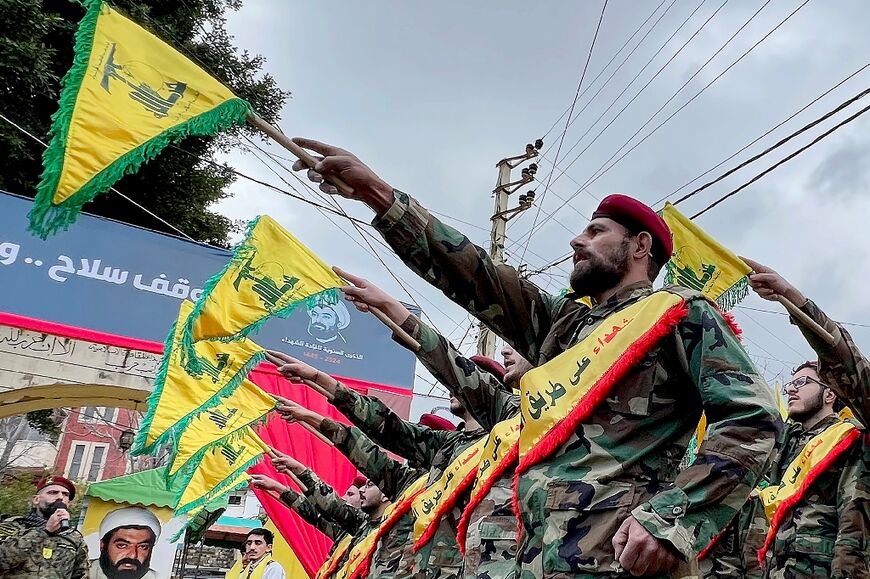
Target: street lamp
<point x="125" y="441"/>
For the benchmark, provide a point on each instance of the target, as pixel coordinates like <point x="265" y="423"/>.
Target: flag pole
<point x="800" y="315"/>
<point x="316" y="433"/>
<point x="300" y="153"/>
<point x="303" y="155"/>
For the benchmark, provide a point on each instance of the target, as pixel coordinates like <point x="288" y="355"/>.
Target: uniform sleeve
<point x="514" y="308"/>
<point x="419" y="444"/>
<point x="306" y="509"/>
<point x="841" y="366"/>
<point x="850" y="550"/>
<point x="480" y="392"/>
<point x="326" y="500"/>
<point x="83" y="565"/>
<point x="16" y="541"/>
<point x="390" y="476"/>
<point x="743" y="423"/>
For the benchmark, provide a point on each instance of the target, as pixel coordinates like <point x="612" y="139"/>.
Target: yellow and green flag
<point x="229" y="420"/>
<point x="221" y="470"/>
<point x="701" y="263"/>
<point x="127" y="96"/>
<point x="179" y="396"/>
<point x="270" y="274"/>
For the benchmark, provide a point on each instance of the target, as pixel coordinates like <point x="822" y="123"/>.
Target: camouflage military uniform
<point x="393" y="556"/>
<point x="491" y="540"/>
<point x="826" y="534"/>
<point x="27" y="551"/>
<point x="624" y="459"/>
<point x="321" y="506"/>
<point x="423" y="447"/>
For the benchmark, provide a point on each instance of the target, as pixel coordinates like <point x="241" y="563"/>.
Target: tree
<point x="36" y="50"/>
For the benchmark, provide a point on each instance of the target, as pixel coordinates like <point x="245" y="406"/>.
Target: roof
<point x="146" y="488"/>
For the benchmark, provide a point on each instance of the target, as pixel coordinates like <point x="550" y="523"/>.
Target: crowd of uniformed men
<point x="571" y="458"/>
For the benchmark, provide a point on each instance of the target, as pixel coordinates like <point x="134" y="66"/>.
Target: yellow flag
<point x="245" y="407"/>
<point x="127" y="96"/>
<point x="178" y="395"/>
<point x="701" y="263"/>
<point x="269" y="275"/>
<point x="221" y="470"/>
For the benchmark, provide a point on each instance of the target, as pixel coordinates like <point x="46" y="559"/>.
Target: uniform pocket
<point x="581" y="520"/>
<point x="492" y="540"/>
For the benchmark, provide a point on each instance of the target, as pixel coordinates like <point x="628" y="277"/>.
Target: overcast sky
<point x="432" y="95"/>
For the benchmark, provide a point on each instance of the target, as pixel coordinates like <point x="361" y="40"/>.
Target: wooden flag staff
<point x="345" y="189"/>
<point x="799" y="314"/>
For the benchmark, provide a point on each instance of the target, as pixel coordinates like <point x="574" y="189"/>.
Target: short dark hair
<point x="811" y="364"/>
<point x="265" y="533"/>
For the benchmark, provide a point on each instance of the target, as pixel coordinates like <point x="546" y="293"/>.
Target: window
<point x="86" y="461"/>
<point x="234" y="499"/>
<point x="97" y="414"/>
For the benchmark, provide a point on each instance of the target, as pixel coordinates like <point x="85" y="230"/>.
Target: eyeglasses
<point x="799" y="383"/>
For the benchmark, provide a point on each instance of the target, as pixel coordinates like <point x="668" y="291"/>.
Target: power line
<point x="609" y="62"/>
<point x="766" y="133"/>
<point x="570" y="112"/>
<point x="776" y="145"/>
<point x="639" y="92"/>
<point x="856" y="324"/>
<point x="782" y="162"/>
<point x="597" y="175"/>
<point x="145" y="209"/>
<point x="684" y="85"/>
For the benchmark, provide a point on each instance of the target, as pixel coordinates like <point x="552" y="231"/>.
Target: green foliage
<point x="18" y="490"/>
<point x="44" y="421"/>
<point x="36" y="40"/>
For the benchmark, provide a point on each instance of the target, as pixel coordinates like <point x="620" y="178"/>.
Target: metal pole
<point x="486" y="340"/>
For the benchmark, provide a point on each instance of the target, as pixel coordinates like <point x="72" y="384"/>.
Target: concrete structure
<point x="39" y="371"/>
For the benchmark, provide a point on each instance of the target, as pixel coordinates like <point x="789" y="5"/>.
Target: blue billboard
<point x="109" y="277"/>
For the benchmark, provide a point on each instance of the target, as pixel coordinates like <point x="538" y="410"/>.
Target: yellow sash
<point x="338" y="554"/>
<point x="256" y="572"/>
<point x="558" y="396"/>
<point x="499" y="454"/>
<point x="360" y="559"/>
<point x="815" y="458"/>
<point x="441" y="495"/>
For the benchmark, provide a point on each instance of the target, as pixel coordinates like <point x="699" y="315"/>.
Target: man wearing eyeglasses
<point x="810" y="518"/>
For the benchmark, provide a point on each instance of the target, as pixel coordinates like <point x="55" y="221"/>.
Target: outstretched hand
<point x="770" y="285"/>
<point x="293" y="412"/>
<point x="365" y="295"/>
<point x="261" y="481"/>
<point x="334" y="161"/>
<point x="298" y="371"/>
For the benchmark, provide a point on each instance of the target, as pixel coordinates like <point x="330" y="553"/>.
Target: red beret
<point x="359" y="481"/>
<point x="57" y="480"/>
<point x="490" y="365"/>
<point x="436" y="422"/>
<point x="636" y="217"/>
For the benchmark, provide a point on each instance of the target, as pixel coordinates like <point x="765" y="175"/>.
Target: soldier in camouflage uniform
<point x="36" y="546"/>
<point x="424" y="447"/>
<point x="491" y="540"/>
<point x="824" y="534"/>
<point x="611" y="501"/>
<point x="393" y="556"/>
<point x="318" y="503"/>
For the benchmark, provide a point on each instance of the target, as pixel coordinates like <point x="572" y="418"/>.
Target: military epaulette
<point x="8" y="527"/>
<point x="687" y="294"/>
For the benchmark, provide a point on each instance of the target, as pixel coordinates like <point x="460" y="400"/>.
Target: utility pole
<point x="501" y="215"/>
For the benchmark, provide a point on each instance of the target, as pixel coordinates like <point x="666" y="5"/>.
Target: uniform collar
<point x="627" y="294"/>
